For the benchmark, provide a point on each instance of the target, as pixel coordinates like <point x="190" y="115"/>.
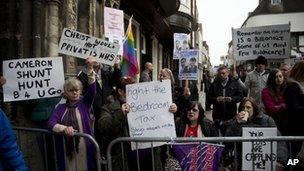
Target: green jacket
<point x="112" y="124"/>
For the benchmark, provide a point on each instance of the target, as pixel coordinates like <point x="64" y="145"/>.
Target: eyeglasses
<point x="72" y="90"/>
<point x="194" y="110"/>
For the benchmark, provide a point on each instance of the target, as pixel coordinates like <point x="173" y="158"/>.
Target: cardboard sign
<point x="258" y="156"/>
<point x="188" y="64"/>
<point x="149" y="111"/>
<point x="273" y="42"/>
<point x="114" y="26"/>
<point x="81" y="45"/>
<point x="33" y="78"/>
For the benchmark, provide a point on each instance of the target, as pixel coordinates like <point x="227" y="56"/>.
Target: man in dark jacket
<point x="224" y="94"/>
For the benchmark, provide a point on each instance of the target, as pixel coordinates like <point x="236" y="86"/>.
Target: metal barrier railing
<point x="40" y="151"/>
<point x="169" y="141"/>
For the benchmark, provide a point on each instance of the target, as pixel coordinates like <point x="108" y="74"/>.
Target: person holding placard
<point x="249" y="115"/>
<point x="75" y="116"/>
<point x="113" y="124"/>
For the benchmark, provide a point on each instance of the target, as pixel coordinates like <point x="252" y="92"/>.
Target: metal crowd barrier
<point x="219" y="140"/>
<point x="39" y="148"/>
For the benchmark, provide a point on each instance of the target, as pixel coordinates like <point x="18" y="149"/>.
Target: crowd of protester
<point x="95" y="103"/>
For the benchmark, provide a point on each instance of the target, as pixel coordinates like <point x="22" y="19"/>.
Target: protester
<point x="146" y="75"/>
<point x="224" y="94"/>
<point x="112" y="124"/>
<point x="285" y="69"/>
<point x="272" y="97"/>
<point x="256" y="79"/>
<point x="294" y="98"/>
<point x="75" y="116"/>
<point x="180" y="95"/>
<point x="236" y="76"/>
<point x="11" y="157"/>
<point x="194" y="123"/>
<point x="207" y="80"/>
<point x="250" y="116"/>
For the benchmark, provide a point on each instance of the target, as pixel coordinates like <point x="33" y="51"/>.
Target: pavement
<point x="201" y="99"/>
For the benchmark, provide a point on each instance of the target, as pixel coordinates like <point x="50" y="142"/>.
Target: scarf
<point x="70" y="119"/>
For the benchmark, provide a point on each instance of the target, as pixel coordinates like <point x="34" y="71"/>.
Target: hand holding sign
<point x="173" y="108"/>
<point x="125" y="108"/>
<point x="2" y="80"/>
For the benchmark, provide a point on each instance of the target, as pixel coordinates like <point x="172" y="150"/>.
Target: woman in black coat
<point x="194" y="123"/>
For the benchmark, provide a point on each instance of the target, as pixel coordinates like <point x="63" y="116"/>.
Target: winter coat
<point x="84" y="107"/>
<point x="276" y="108"/>
<point x="294" y="99"/>
<point x="207" y="127"/>
<point x="225" y="110"/>
<point x="234" y="129"/>
<point x="111" y="125"/>
<point x="11" y="157"/>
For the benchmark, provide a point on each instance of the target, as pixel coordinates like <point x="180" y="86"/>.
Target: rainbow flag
<point x="129" y="66"/>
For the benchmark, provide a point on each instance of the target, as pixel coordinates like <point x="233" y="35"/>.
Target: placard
<point x="33" y="78"/>
<point x="149" y="111"/>
<point x="188" y="64"/>
<point x="259" y="154"/>
<point x="180" y="43"/>
<point x="273" y="42"/>
<point x="82" y="45"/>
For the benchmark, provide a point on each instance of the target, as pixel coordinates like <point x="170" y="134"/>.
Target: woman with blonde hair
<point x="75" y="116"/>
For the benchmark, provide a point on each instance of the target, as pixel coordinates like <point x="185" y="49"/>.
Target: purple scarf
<point x="70" y="119"/>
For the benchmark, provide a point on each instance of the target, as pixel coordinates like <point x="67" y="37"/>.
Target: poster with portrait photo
<point x="188" y="64"/>
<point x="180" y="43"/>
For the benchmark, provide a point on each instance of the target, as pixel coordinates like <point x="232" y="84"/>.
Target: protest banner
<point x="180" y="43"/>
<point x="114" y="26"/>
<point x="81" y="45"/>
<point x="273" y="42"/>
<point x="201" y="156"/>
<point x="32" y="78"/>
<point x="149" y="111"/>
<point x="259" y="155"/>
<point x="188" y="64"/>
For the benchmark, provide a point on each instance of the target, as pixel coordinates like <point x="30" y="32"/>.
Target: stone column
<point x="92" y="18"/>
<point x="53" y="27"/>
<point x="37" y="5"/>
<point x="70" y="13"/>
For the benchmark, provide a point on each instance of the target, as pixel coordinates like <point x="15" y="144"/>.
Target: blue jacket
<point x="11" y="157"/>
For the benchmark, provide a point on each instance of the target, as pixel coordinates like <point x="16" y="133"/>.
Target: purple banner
<point x="194" y="157"/>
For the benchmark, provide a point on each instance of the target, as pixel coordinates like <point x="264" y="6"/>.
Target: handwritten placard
<point x="259" y="156"/>
<point x="33" y="78"/>
<point x="269" y="41"/>
<point x="81" y="45"/>
<point x="149" y="111"/>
